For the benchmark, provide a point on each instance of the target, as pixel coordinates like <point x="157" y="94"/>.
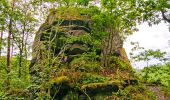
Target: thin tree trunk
<point x="9" y="47"/>
<point x="1" y="39"/>
<point x="112" y="43"/>
<point x="165" y="17"/>
<point x="20" y="64"/>
<point x="12" y="47"/>
<point x="21" y="51"/>
<point x="8" y="53"/>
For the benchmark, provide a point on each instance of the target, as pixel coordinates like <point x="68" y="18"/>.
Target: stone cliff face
<point x="53" y="35"/>
<point x="57" y="53"/>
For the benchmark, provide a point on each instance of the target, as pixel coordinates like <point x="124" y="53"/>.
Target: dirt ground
<point x="158" y="92"/>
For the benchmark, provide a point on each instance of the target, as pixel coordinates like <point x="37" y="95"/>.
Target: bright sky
<point x="155" y="37"/>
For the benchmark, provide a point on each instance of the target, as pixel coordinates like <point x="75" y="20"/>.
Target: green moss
<point x="71" y="13"/>
<point x="94" y="78"/>
<point x="59" y="80"/>
<point x="92" y="86"/>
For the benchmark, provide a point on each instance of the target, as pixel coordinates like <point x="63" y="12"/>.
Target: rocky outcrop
<point x="57" y="58"/>
<point x="55" y="32"/>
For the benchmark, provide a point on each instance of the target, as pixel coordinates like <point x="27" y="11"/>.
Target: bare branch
<point x="164" y="16"/>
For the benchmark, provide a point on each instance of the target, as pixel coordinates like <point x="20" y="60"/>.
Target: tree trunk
<point x="8" y="53"/>
<point x="111" y="44"/>
<point x="12" y="47"/>
<point x="20" y="63"/>
<point x="9" y="47"/>
<point x="1" y="38"/>
<point x="21" y="48"/>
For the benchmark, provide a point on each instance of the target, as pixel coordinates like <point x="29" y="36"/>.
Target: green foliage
<point x="4" y="9"/>
<point x="90" y="78"/>
<point x="120" y="18"/>
<point x="92" y="10"/>
<point x="83" y="2"/>
<point x="88" y="62"/>
<point x="18" y="85"/>
<point x="148" y="55"/>
<point x="119" y="63"/>
<point x="86" y="38"/>
<point x="135" y="93"/>
<point x="151" y="9"/>
<point x="159" y="75"/>
<point x="69" y="3"/>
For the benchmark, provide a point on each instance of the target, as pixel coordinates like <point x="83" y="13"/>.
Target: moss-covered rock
<point x="64" y="57"/>
<point x="93" y="86"/>
<point x="59" y="80"/>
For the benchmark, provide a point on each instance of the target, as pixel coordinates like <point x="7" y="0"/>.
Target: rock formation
<point x="57" y="57"/>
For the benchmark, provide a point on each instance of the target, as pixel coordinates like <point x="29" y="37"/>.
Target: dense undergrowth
<point x="158" y="75"/>
<point x="20" y="86"/>
<point x="18" y="83"/>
